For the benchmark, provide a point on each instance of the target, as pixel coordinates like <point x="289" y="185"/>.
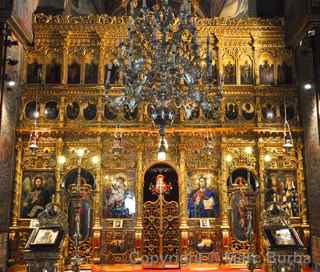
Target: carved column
<point x="100" y="109"/>
<point x="183" y="188"/>
<point x="225" y="172"/>
<point x="82" y="70"/>
<point x="18" y="184"/>
<point x="219" y="66"/>
<point x="101" y="58"/>
<point x="65" y="57"/>
<point x="259" y="111"/>
<point x="256" y="59"/>
<point x="220" y="54"/>
<point x="96" y="240"/>
<point x="139" y="198"/>
<point x="301" y="184"/>
<point x="238" y="68"/>
<point x="183" y="200"/>
<point x="62" y="110"/>
<point x="59" y="170"/>
<point x="261" y="177"/>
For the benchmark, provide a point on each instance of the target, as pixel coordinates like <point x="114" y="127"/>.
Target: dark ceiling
<point x="206" y="8"/>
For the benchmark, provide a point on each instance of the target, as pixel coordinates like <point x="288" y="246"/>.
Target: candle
<point x="230" y="177"/>
<point x="221" y="79"/>
<point x="209" y="57"/>
<point x="174" y="50"/>
<point x="109" y="73"/>
<point x="131" y="7"/>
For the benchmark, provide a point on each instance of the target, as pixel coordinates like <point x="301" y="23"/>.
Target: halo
<point x="209" y="180"/>
<point x="38" y="177"/>
<point x="120" y="175"/>
<point x="250" y="110"/>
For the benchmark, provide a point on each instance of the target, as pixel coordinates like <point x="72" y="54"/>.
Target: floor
<point x="193" y="268"/>
<point x="131" y="268"/>
<point x="203" y="268"/>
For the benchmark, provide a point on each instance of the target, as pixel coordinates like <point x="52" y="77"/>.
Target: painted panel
<point x="119" y="197"/>
<point x="37" y="191"/>
<point x="226" y="8"/>
<point x="203" y="200"/>
<point x="23" y="10"/>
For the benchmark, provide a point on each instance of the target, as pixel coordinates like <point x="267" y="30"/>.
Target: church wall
<point x="312" y="169"/>
<point x="7" y="147"/>
<point x="73" y="112"/>
<point x="301" y="16"/>
<point x="311" y="137"/>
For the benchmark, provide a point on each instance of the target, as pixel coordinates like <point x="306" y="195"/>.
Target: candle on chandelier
<point x="209" y="57"/>
<point x="174" y="51"/>
<point x="109" y="74"/>
<point x="131" y="7"/>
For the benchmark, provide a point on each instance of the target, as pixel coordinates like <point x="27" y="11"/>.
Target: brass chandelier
<point x="162" y="65"/>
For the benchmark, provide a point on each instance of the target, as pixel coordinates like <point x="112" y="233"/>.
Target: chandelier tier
<point x="162" y="65"/>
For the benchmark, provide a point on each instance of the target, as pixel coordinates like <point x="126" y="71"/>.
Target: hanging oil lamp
<point x="287" y="135"/>
<point x="117" y="148"/>
<point x="34" y="142"/>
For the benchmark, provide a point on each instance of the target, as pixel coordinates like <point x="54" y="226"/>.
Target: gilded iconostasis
<point x="218" y="168"/>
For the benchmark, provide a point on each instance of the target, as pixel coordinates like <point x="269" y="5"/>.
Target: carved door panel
<point x="161" y="235"/>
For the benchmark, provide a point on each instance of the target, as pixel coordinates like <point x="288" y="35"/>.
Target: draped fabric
<point x="218" y="6"/>
<point x="224" y="8"/>
<point x="231" y="8"/>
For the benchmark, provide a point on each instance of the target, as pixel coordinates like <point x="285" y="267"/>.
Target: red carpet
<point x="186" y="269"/>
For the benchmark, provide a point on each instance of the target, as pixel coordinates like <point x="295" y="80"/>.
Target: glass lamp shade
<point x="162" y="155"/>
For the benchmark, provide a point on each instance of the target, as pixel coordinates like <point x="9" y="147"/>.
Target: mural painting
<point x="37" y="191"/>
<point x="22" y="10"/>
<point x="230" y="8"/>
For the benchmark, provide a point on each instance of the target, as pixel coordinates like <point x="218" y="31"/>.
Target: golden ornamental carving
<point x="280" y="158"/>
<point x="247" y="141"/>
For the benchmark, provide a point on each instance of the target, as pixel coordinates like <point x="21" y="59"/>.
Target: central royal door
<point x="161" y="235"/>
